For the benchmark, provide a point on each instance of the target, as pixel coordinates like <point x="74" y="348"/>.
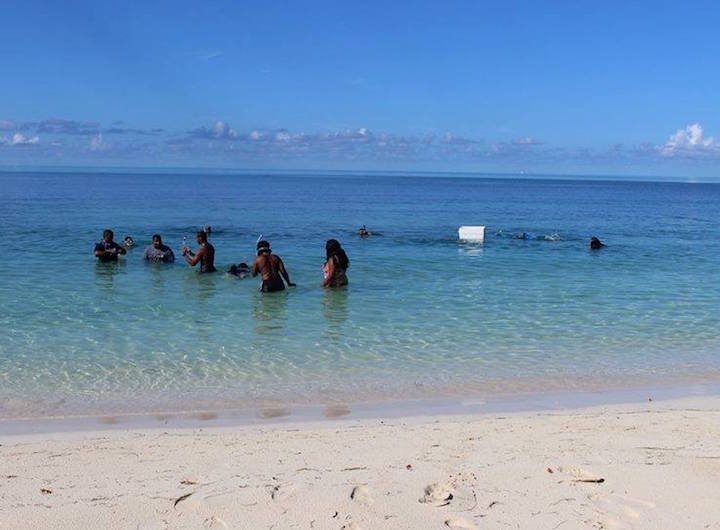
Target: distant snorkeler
<point x="336" y="265"/>
<point x="364" y="232"/>
<point x="207" y="229"/>
<point x="107" y="249"/>
<point x="525" y="236"/>
<point x="596" y="244"/>
<point x="205" y="254"/>
<point x="241" y="270"/>
<point x="271" y="269"/>
<point x="129" y="242"/>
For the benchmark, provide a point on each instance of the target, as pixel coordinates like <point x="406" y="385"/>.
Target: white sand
<point x="660" y="463"/>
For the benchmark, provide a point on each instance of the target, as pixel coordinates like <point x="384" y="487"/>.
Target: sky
<point x="625" y="88"/>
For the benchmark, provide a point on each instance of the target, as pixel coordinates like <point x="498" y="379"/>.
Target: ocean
<point x="425" y="316"/>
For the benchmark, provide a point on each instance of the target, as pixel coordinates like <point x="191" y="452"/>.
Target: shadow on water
<point x="335" y="310"/>
<point x="269" y="310"/>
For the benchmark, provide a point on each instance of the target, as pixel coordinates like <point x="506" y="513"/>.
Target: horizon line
<point x="163" y="170"/>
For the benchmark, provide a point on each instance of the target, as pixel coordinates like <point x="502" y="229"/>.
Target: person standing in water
<point x="157" y="252"/>
<point x="107" y="250"/>
<point x="205" y="254"/>
<point x="271" y="268"/>
<point x="336" y="265"/>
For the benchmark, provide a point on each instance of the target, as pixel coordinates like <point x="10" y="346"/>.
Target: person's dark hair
<point x="108" y="232"/>
<point x="263" y="247"/>
<point x="243" y="265"/>
<point x="158" y="237"/>
<point x="203" y="235"/>
<point x="596" y="243"/>
<point x="333" y="248"/>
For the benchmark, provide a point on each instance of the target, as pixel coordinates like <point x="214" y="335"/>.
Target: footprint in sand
<point x="438" y="494"/>
<point x="620" y="512"/>
<point x="362" y="495"/>
<point x="442" y="494"/>
<point x="458" y="523"/>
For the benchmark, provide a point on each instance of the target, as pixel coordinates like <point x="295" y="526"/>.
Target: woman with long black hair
<point x="336" y="265"/>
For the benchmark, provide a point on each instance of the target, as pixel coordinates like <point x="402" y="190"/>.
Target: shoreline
<point x="650" y="465"/>
<point x="277" y="414"/>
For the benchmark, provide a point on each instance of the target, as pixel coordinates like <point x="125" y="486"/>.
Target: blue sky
<point x="588" y="87"/>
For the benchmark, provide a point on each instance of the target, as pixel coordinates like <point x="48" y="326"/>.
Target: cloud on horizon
<point x="57" y="138"/>
<point x="19" y="139"/>
<point x="690" y="141"/>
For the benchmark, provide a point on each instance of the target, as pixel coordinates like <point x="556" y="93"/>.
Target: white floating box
<point x="472" y="233"/>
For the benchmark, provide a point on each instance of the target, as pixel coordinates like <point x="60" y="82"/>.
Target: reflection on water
<point x="269" y="310"/>
<point x="335" y="310"/>
<point x="105" y="273"/>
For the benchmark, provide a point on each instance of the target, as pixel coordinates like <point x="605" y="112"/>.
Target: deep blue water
<point x="424" y="315"/>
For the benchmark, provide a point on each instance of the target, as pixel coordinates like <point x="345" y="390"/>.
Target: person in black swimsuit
<point x="271" y="268"/>
<point x="205" y="254"/>
<point x="107" y="249"/>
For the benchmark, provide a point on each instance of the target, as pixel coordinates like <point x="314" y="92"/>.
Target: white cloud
<point x="211" y="55"/>
<point x="97" y="143"/>
<point x="689" y="140"/>
<point x="223" y="130"/>
<point x="20" y="139"/>
<point x="528" y="140"/>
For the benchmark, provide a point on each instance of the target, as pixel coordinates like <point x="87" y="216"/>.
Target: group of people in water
<point x="268" y="265"/>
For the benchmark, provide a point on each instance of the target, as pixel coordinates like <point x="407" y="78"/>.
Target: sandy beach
<point x="644" y="465"/>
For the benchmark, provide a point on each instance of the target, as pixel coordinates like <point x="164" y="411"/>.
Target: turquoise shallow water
<point x="424" y="315"/>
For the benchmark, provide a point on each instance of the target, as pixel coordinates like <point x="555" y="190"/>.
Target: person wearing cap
<point x="271" y="269"/>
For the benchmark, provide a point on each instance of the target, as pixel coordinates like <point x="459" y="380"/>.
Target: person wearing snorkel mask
<point x="271" y="269"/>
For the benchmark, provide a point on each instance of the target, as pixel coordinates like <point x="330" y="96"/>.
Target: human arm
<point x="193" y="259"/>
<point x="284" y="273"/>
<point x="105" y="253"/>
<point x="256" y="267"/>
<point x="329" y="272"/>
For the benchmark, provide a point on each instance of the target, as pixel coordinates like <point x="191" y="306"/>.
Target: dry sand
<point x="649" y="465"/>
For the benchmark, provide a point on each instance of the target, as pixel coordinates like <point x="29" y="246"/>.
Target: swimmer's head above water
<point x="241" y="270"/>
<point x="129" y="241"/>
<point x="595" y="243"/>
<point x="263" y="247"/>
<point x="364" y="232"/>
